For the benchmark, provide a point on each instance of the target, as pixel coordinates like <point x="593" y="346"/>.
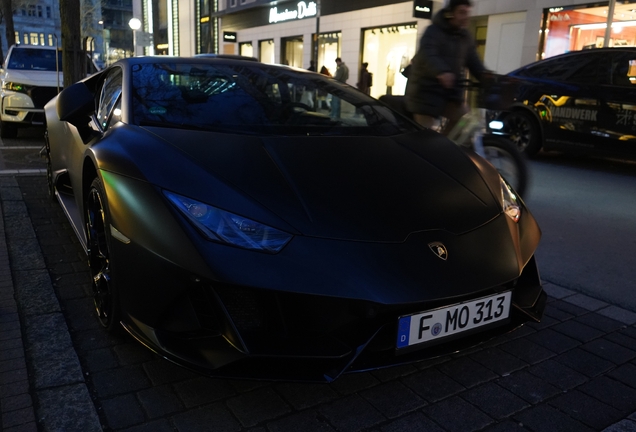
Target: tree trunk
<point x="73" y="56"/>
<point x="7" y="12"/>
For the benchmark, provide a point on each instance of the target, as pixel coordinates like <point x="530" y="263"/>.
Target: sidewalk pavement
<point x="581" y="370"/>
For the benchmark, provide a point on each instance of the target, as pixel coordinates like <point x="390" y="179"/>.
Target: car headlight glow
<point x="510" y="202"/>
<point x="225" y="227"/>
<point x="496" y="125"/>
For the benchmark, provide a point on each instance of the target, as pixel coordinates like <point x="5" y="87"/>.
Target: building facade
<point x="35" y="23"/>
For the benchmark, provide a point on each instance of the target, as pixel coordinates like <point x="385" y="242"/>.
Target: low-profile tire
<point x="8" y="130"/>
<point x="523" y="131"/>
<point x="510" y="163"/>
<point x="98" y="242"/>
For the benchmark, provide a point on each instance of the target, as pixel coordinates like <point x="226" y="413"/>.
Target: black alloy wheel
<point x="523" y="131"/>
<point x="510" y="163"/>
<point x="99" y="257"/>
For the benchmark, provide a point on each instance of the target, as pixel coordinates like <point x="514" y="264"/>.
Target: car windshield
<point x="34" y="59"/>
<point x="255" y="99"/>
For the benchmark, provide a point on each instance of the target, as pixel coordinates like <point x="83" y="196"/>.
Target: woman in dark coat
<point x="445" y="50"/>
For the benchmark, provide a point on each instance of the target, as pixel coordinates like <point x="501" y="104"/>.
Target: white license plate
<point x="436" y="324"/>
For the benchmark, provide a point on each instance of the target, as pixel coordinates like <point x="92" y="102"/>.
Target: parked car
<point x="579" y="102"/>
<point x="238" y="231"/>
<point x="31" y="76"/>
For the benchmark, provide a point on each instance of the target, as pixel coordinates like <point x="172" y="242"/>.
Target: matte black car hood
<point x="353" y="188"/>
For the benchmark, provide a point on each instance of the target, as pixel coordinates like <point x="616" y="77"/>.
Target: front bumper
<point x="25" y="109"/>
<point x="232" y="331"/>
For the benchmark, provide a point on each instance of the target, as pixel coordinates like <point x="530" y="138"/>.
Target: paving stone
<point x="528" y="387"/>
<point x="578" y="331"/>
<point x="553" y="340"/>
<point x="558" y="374"/>
<point x="301" y="395"/>
<point x="16" y="402"/>
<point x="432" y="385"/>
<point x="131" y="353"/>
<point x="584" y="408"/>
<point x="600" y="322"/>
<point x="619" y="314"/>
<point x="416" y="422"/>
<point x="68" y="408"/>
<point x="584" y="362"/>
<point x="622" y="339"/>
<point x="202" y="418"/>
<point x="100" y="359"/>
<point x="393" y="399"/>
<point x="12" y="364"/>
<point x="123" y="411"/>
<point x="13" y="376"/>
<point x="506" y="426"/>
<point x="556" y="313"/>
<point x="257" y="406"/>
<point x="458" y="415"/>
<point x="527" y="351"/>
<point x="612" y="392"/>
<point x="161" y="371"/>
<point x="556" y="292"/>
<point x="307" y="421"/>
<point x="500" y="362"/>
<point x="159" y="401"/>
<point x="203" y="390"/>
<point x="351" y="414"/>
<point x="13" y="389"/>
<point x="391" y="373"/>
<point x="569" y="308"/>
<point x="544" y="418"/>
<point x="354" y="382"/>
<point x="625" y="374"/>
<point x="119" y="381"/>
<point x="18" y="417"/>
<point x="494" y="400"/>
<point x="622" y="426"/>
<point x="585" y="302"/>
<point x="26" y="427"/>
<point x="152" y="426"/>
<point x="610" y="351"/>
<point x="467" y="372"/>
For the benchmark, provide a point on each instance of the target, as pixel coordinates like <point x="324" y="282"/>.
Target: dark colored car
<point x="238" y="224"/>
<point x="583" y="102"/>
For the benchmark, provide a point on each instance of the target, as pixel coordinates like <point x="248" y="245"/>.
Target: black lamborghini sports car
<point x="260" y="221"/>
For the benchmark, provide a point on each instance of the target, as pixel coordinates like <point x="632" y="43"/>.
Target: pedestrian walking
<point x="342" y="75"/>
<point x="365" y="79"/>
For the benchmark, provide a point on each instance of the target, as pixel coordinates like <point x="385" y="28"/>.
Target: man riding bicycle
<point x="445" y="50"/>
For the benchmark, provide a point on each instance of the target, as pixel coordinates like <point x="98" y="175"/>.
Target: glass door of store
<point x="328" y="51"/>
<point x="266" y="51"/>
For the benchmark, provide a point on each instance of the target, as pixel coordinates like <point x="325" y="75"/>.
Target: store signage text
<point x="575" y="114"/>
<point x="303" y="10"/>
<point x="229" y="36"/>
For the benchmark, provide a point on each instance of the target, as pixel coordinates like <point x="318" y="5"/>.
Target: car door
<point x="618" y="99"/>
<point x="569" y="102"/>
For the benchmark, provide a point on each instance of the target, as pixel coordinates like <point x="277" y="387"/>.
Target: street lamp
<point x="134" y="24"/>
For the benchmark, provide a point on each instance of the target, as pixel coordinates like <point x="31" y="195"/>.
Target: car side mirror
<point x="76" y="104"/>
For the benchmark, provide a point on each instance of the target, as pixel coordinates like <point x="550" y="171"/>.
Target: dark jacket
<point x="443" y="48"/>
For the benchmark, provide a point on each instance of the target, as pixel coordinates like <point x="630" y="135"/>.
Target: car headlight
<point x="225" y="227"/>
<point x="16" y="87"/>
<point x="510" y="202"/>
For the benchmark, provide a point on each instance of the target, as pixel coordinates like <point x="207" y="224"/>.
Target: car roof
<point x="40" y="47"/>
<point x="572" y="54"/>
<point x="227" y="56"/>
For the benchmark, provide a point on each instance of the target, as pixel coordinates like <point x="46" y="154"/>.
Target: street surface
<point x="575" y="371"/>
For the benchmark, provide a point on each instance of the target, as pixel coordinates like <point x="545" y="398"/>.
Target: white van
<point x="30" y="78"/>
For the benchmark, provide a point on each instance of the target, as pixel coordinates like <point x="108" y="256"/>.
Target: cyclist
<point x="445" y="50"/>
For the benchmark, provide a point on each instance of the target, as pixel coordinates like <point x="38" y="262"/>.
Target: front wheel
<point x="508" y="160"/>
<point x="98" y="242"/>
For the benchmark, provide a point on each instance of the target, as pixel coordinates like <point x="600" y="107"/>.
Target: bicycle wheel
<point x="507" y="159"/>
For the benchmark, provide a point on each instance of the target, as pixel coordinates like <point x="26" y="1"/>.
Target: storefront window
<point x="266" y="51"/>
<point x="246" y="49"/>
<point x="583" y="27"/>
<point x="388" y="50"/>
<point x="292" y="51"/>
<point x="329" y="51"/>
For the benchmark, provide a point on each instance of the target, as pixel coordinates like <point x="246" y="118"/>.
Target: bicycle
<point x="487" y="138"/>
<point x="473" y="131"/>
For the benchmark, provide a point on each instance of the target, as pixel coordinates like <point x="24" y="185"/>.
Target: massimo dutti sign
<point x="297" y="11"/>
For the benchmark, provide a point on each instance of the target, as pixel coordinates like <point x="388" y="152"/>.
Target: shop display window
<point x="292" y="51"/>
<point x="266" y="52"/>
<point x="329" y="51"/>
<point x="388" y="50"/>
<point x="246" y="49"/>
<point x="583" y="27"/>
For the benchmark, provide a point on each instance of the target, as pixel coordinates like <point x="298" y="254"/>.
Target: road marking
<point x="22" y="172"/>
